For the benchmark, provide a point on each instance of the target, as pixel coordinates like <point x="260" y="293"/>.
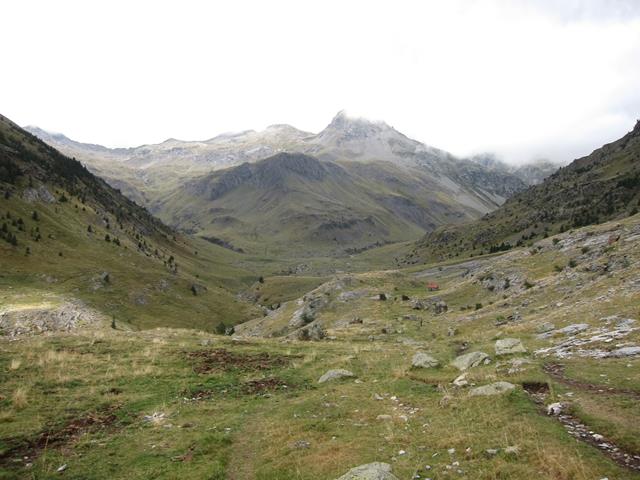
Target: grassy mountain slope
<point x="294" y="201"/>
<point x="601" y="186"/>
<point x="65" y="235"/>
<point x="184" y="404"/>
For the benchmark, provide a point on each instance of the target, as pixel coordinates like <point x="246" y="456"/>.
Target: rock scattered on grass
<point x="335" y="374"/>
<point x="370" y="471"/>
<point x="469" y="360"/>
<point x="508" y="346"/>
<point x="496" y="388"/>
<point x="424" y="360"/>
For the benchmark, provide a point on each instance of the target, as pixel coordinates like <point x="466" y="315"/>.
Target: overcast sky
<point x="544" y="78"/>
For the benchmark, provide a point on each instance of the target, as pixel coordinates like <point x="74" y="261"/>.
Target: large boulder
<point x="469" y="360"/>
<point x="335" y="375"/>
<point x="507" y="346"/>
<point x="370" y="471"/>
<point x="424" y="360"/>
<point x="492" y="389"/>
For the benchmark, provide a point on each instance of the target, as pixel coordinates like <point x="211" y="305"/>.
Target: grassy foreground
<point x="81" y="400"/>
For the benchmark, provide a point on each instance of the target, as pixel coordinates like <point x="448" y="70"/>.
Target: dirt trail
<point x="556" y="371"/>
<point x="539" y="393"/>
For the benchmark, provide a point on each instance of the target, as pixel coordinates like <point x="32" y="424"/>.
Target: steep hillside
<point x="602" y="186"/>
<point x="68" y="237"/>
<point x="297" y="201"/>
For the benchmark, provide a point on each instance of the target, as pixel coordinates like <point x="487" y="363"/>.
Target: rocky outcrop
<point x="31" y="320"/>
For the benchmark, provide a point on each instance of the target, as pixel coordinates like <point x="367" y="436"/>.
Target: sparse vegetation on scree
<point x="129" y="350"/>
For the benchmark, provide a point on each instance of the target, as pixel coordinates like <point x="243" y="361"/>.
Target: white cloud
<point x="524" y="79"/>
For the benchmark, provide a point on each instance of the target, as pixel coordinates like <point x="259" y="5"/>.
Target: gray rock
<point x="198" y="289"/>
<point x="568" y="330"/>
<point x="461" y="380"/>
<point x="545" y="327"/>
<point x="314" y="332"/>
<point x="40" y="194"/>
<point x="573" y="329"/>
<point x="335" y="374"/>
<point x="424" y="360"/>
<point x="370" y="471"/>
<point x="496" y="388"/>
<point x="440" y="307"/>
<point x="555" y="408"/>
<point x="301" y="444"/>
<point x="625" y="352"/>
<point x="469" y="360"/>
<point x="507" y="346"/>
<point x="419" y="305"/>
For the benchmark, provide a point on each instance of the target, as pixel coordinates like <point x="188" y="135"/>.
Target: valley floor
<point x="93" y="402"/>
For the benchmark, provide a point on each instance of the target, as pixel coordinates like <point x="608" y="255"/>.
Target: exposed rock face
<point x="370" y="471"/>
<point x="492" y="389"/>
<point x="335" y="375"/>
<point x="40" y="194"/>
<point x="568" y="330"/>
<point x="507" y="346"/>
<point x="424" y="360"/>
<point x="469" y="360"/>
<point x="41" y="319"/>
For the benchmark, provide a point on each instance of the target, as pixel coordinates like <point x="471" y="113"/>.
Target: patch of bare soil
<point x="262" y="386"/>
<point x="223" y="360"/>
<point x="25" y="450"/>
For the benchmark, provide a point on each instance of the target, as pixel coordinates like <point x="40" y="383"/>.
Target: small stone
<point x="512" y="450"/>
<point x="301" y="444"/>
<point x="62" y="468"/>
<point x="461" y="381"/>
<point x="370" y="471"/>
<point x="554" y="408"/>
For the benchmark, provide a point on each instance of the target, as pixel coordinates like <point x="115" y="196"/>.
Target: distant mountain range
<point x="355" y="184"/>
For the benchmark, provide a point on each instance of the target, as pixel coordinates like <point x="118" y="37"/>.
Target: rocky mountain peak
<point x="355" y="127"/>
